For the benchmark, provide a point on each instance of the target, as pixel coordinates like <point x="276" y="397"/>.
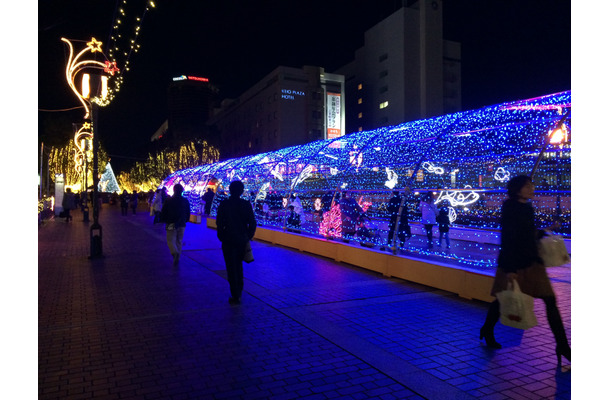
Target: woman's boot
<point x="487" y="331"/>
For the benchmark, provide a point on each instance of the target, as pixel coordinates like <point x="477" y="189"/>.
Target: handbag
<point x="552" y="250"/>
<point x="516" y="307"/>
<point x="248" y="256"/>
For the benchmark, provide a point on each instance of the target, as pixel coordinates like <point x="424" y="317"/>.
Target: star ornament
<point x="110" y="67"/>
<point x="94" y="45"/>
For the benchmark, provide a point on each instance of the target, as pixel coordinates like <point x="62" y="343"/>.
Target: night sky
<point x="510" y="51"/>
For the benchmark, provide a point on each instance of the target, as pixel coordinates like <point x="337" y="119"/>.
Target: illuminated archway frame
<point x="468" y="166"/>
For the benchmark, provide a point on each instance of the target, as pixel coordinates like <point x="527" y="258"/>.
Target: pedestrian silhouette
<point x="175" y="213"/>
<point x="235" y="228"/>
<point x="519" y="260"/>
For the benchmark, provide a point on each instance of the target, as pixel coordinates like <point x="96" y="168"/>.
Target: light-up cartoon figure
<point x="305" y="173"/>
<point x="364" y="204"/>
<point x="452" y="214"/>
<point x="356" y="157"/>
<point x="457" y="198"/>
<point x="278" y="171"/>
<point x="432" y="169"/>
<point x="502" y="175"/>
<point x="392" y="178"/>
<point x="317" y="204"/>
<point x="262" y="193"/>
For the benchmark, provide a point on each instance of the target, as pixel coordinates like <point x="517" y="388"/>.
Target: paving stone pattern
<point x="132" y="326"/>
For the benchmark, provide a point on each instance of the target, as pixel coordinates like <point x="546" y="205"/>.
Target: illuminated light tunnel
<point x="464" y="160"/>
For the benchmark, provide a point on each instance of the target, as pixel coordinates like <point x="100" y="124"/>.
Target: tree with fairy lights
<point x="108" y="182"/>
<point x="61" y="161"/>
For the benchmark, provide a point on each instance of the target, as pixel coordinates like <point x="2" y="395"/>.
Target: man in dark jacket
<point x="68" y="203"/>
<point x="236" y="226"/>
<point x="175" y="213"/>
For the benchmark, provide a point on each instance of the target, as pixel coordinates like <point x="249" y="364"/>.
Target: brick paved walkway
<point x="131" y="326"/>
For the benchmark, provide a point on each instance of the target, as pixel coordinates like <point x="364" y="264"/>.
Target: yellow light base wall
<point x="466" y="284"/>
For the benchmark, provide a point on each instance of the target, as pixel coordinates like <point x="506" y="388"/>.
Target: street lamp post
<point x="95" y="231"/>
<point x="77" y="68"/>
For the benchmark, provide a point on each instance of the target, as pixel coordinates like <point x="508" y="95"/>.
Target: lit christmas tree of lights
<point x="108" y="182"/>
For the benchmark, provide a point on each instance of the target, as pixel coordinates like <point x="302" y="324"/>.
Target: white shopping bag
<point x="552" y="249"/>
<point x="516" y="307"/>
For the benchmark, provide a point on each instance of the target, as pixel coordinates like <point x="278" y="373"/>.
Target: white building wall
<point x="404" y="53"/>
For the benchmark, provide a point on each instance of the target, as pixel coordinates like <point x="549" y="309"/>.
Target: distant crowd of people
<point x="275" y="209"/>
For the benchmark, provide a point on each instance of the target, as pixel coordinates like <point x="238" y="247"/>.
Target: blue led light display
<point x="464" y="160"/>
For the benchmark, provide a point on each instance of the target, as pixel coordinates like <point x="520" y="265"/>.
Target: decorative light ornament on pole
<point x="80" y="69"/>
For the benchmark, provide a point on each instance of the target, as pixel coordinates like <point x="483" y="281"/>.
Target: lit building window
<point x="384" y="104"/>
<point x="360" y="115"/>
<point x="360" y="100"/>
<point x="360" y="86"/>
<point x="359" y="129"/>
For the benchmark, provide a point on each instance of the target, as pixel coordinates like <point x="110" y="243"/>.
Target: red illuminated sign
<point x="196" y="78"/>
<point x="190" y="78"/>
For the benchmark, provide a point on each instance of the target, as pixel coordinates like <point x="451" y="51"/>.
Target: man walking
<point x="68" y="203"/>
<point x="208" y="199"/>
<point x="236" y="226"/>
<point x="175" y="213"/>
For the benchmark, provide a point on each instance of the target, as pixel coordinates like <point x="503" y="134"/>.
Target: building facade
<point x="190" y="104"/>
<point x="288" y="107"/>
<point x="405" y="70"/>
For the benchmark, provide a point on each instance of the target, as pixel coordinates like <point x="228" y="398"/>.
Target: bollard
<point x="86" y="214"/>
<point x="96" y="241"/>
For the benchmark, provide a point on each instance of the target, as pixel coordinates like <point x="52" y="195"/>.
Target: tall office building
<point x="190" y="103"/>
<point x="290" y="106"/>
<point x="405" y="71"/>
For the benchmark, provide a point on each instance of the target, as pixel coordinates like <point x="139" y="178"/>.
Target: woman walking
<point x="519" y="260"/>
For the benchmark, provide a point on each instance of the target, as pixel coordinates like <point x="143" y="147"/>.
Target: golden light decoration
<point x="129" y="43"/>
<point x="111" y="67"/>
<point x="83" y="150"/>
<point x="559" y="135"/>
<point x="76" y="65"/>
<point x="76" y="68"/>
<point x="95" y="45"/>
